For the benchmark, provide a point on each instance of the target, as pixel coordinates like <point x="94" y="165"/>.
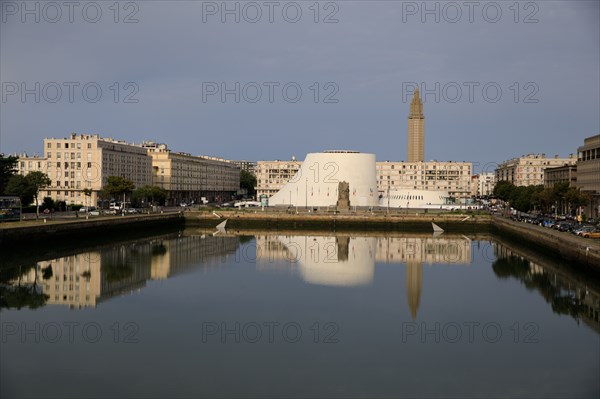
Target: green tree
<point x="48" y="203"/>
<point x="37" y="180"/>
<point x="248" y="182"/>
<point x="19" y="186"/>
<point x="88" y="193"/>
<point x="152" y="194"/>
<point x="559" y="190"/>
<point x="503" y="190"/>
<point x="544" y="199"/>
<point x="8" y="168"/>
<point x="576" y="198"/>
<point x="19" y="296"/>
<point x="117" y="186"/>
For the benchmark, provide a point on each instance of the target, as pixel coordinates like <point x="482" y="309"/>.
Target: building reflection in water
<point x="350" y="261"/>
<point x="324" y="260"/>
<point x="85" y="279"/>
<point x="565" y="294"/>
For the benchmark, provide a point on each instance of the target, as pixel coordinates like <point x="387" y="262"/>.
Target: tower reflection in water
<point x="86" y="279"/>
<point x="350" y="261"/>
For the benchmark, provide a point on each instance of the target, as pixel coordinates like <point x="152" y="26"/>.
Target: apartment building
<point x="86" y="161"/>
<point x="588" y="173"/>
<point x="566" y="173"/>
<point x="248" y="166"/>
<point x="454" y="177"/>
<point x="528" y="170"/>
<point x="188" y="177"/>
<point x="271" y="176"/>
<point x="27" y="164"/>
<point x="482" y="185"/>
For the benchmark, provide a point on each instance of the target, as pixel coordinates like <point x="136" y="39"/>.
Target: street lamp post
<point x="306" y="193"/>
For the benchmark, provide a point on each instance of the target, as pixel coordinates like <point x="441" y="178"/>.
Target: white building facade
<point x="316" y="182"/>
<point x="528" y="170"/>
<point x="453" y="177"/>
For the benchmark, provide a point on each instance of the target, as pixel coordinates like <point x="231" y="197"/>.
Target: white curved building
<point x="316" y="183"/>
<point x="419" y="199"/>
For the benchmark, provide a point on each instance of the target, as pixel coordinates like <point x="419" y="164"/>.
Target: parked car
<point x="94" y="213"/>
<point x="584" y="229"/>
<point x="591" y="234"/>
<point x="565" y="226"/>
<point x="548" y="223"/>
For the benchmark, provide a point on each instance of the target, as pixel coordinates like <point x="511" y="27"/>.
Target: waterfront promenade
<point x="567" y="245"/>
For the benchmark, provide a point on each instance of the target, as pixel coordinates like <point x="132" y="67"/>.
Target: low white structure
<point x="419" y="199"/>
<point x="316" y="183"/>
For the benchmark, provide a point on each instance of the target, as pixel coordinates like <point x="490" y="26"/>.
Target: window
<point x="66" y="145"/>
<point x="79" y="146"/>
<point x="57" y="145"/>
<point x="49" y="145"/>
<point x="89" y="145"/>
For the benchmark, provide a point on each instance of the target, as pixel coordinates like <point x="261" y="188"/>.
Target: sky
<point x="271" y="80"/>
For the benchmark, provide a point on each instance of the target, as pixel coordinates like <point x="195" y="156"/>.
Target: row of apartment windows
<point x="427" y="167"/>
<point x="30" y="164"/>
<point x="589" y="155"/>
<point x="67" y="193"/>
<point x="73" y="165"/>
<point x="66" y="145"/>
<point x="73" y="155"/>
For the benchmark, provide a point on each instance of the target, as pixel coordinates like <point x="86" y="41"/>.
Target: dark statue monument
<point x="343" y="202"/>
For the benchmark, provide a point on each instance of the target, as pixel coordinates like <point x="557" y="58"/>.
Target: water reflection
<point x="579" y="300"/>
<point x="323" y="260"/>
<point x="85" y="279"/>
<point x="330" y="259"/>
<point x="350" y="261"/>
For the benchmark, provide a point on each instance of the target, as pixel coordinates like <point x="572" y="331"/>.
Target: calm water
<point x="192" y="314"/>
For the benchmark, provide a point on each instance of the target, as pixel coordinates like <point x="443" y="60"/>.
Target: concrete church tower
<point x="416" y="130"/>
